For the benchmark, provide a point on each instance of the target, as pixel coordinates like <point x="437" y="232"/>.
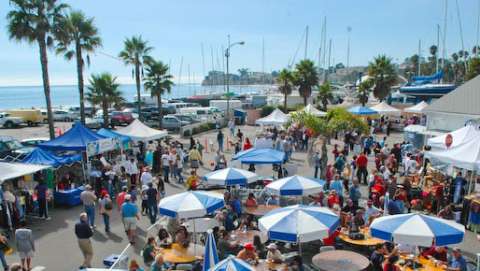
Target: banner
<point x="101" y="146"/>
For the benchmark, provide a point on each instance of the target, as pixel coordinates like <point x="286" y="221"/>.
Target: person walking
<point x="231" y="126"/>
<point x="88" y="198"/>
<point x="83" y="233"/>
<point x="129" y="217"/>
<point x="41" y="190"/>
<point x="195" y="158"/>
<point x="25" y="246"/>
<point x="220" y="137"/>
<point x="152" y="202"/>
<point x="106" y="207"/>
<point x="3" y="247"/>
<point x="166" y="166"/>
<point x="362" y="172"/>
<point x="317" y="160"/>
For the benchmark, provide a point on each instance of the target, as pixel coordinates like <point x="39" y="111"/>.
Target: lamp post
<point x="227" y="56"/>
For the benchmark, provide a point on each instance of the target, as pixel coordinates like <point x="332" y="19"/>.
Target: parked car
<point x="119" y="118"/>
<point x="63" y="115"/>
<point x="8" y="121"/>
<point x="172" y="123"/>
<point x="34" y="141"/>
<point x="94" y="123"/>
<point x="75" y="111"/>
<point x="9" y="146"/>
<point x="186" y="118"/>
<point x="32" y="117"/>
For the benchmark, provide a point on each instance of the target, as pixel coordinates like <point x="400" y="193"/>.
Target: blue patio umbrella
<point x="210" y="258"/>
<point x="362" y="110"/>
<point x="260" y="156"/>
<point x="230" y="176"/>
<point x="191" y="204"/>
<point x="295" y="186"/>
<point x="232" y="264"/>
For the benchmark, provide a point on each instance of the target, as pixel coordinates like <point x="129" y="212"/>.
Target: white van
<point x="201" y="113"/>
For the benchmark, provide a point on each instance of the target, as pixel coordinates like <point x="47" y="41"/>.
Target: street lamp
<point x="227" y="56"/>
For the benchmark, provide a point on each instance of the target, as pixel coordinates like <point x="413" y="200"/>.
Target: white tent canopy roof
<point x="466" y="156"/>
<point x="385" y="109"/>
<point x="277" y="117"/>
<point x="314" y="111"/>
<point x="10" y="171"/>
<point x="418" y="108"/>
<point x="460" y="137"/>
<point x="140" y="132"/>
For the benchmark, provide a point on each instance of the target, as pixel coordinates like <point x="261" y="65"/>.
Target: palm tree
<point x="136" y="53"/>
<point x="305" y="77"/>
<point x="103" y="90"/>
<point x="325" y="94"/>
<point x="77" y="35"/>
<point x="363" y="90"/>
<point x="285" y="79"/>
<point x="35" y="21"/>
<point x="158" y="81"/>
<point x="384" y="76"/>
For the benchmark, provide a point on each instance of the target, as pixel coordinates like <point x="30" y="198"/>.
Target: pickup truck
<point x="9" y="122"/>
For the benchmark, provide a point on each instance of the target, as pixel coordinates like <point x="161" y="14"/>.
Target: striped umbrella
<point x="299" y="223"/>
<point x="230" y="176"/>
<point x="232" y="264"/>
<point x="417" y="230"/>
<point x="210" y="256"/>
<point x="295" y="186"/>
<point x="191" y="204"/>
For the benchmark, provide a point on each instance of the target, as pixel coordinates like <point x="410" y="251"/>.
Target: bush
<point x="266" y="110"/>
<point x="187" y="133"/>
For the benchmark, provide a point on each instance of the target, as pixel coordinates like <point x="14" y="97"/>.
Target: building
<point x="456" y="108"/>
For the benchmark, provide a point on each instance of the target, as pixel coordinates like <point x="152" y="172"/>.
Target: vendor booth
<point x="384" y="109"/>
<point x="44" y="157"/>
<point x="277" y="117"/>
<point x="137" y="131"/>
<point x="455" y="138"/>
<point x="260" y="156"/>
<point x="14" y="170"/>
<point x="310" y="109"/>
<point x="362" y="111"/>
<point x="75" y="139"/>
<point x="112" y="134"/>
<point x="416" y="109"/>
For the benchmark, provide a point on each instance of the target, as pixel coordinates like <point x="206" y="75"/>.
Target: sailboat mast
<point x="263" y="60"/>
<point x="306" y="42"/>
<point x="212" y="81"/>
<point x="324" y="41"/>
<point x="203" y="60"/>
<point x="329" y="55"/>
<point x="460" y="28"/>
<point x="444" y="47"/>
<point x="438" y="46"/>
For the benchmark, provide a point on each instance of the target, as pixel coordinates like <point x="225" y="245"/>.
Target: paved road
<point x="56" y="243"/>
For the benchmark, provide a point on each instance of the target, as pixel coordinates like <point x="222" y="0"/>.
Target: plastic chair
<point x="326" y="248"/>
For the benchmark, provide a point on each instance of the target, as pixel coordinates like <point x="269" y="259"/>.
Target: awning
<point x="138" y="131"/>
<point x="10" y="171"/>
<point x="277" y="117"/>
<point x="43" y="157"/>
<point x="75" y="139"/>
<point x="260" y="156"/>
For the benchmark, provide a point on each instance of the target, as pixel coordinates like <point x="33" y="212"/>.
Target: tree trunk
<point x="137" y="82"/>
<point x="160" y="113"/>
<point x="46" y="84"/>
<point x="285" y="102"/>
<point x="80" y="64"/>
<point x="305" y="100"/>
<point x="324" y="159"/>
<point x="105" y="113"/>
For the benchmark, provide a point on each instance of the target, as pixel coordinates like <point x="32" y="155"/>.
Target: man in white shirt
<point x="146" y="177"/>
<point x="166" y="166"/>
<point x="273" y="254"/>
<point x="132" y="170"/>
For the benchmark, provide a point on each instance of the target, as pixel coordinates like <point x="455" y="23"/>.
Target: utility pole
<point x="438" y="46"/>
<point x="306" y="42"/>
<point x="329" y="55"/>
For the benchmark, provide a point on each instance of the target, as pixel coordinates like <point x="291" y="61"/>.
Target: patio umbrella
<point x="210" y="256"/>
<point x="230" y="176"/>
<point x="417" y="230"/>
<point x="232" y="264"/>
<point x="362" y="110"/>
<point x="295" y="186"/>
<point x="191" y="204"/>
<point x="299" y="223"/>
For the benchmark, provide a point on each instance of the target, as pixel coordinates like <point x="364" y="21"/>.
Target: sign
<point x="101" y="146"/>
<point x="448" y="140"/>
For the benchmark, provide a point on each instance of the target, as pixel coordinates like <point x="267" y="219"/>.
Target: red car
<point x="121" y="118"/>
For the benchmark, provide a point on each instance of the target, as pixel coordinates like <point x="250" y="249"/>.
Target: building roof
<point x="463" y="100"/>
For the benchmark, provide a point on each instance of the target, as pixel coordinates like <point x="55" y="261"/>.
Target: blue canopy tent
<point x="362" y="110"/>
<point x="75" y="139"/>
<point x="42" y="157"/>
<point x="260" y="156"/>
<point x="112" y="134"/>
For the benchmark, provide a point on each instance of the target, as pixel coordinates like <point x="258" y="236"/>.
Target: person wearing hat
<point x="457" y="262"/>
<point x="248" y="254"/>
<point x="88" y="199"/>
<point x="273" y="254"/>
<point x="129" y="217"/>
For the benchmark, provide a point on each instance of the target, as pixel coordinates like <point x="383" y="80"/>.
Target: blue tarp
<point x="112" y="134"/>
<point x="260" y="156"/>
<point x="75" y="139"/>
<point x="42" y="157"/>
<point x="362" y="110"/>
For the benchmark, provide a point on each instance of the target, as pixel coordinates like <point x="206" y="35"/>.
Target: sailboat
<point x="427" y="87"/>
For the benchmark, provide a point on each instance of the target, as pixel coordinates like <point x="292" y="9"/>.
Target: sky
<point x="178" y="29"/>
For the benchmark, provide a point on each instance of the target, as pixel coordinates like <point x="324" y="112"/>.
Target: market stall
<point x="416" y="109"/>
<point x="385" y="109"/>
<point x="277" y="117"/>
<point x="138" y="131"/>
<point x="310" y="109"/>
<point x="260" y="156"/>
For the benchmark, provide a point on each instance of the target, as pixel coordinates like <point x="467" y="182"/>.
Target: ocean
<point x="64" y="96"/>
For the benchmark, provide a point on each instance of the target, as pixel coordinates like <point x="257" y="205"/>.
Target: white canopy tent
<point x="466" y="156"/>
<point x="459" y="137"/>
<point x="314" y="111"/>
<point x="417" y="109"/>
<point x="384" y="109"/>
<point x="10" y="171"/>
<point x="277" y="117"/>
<point x="138" y="131"/>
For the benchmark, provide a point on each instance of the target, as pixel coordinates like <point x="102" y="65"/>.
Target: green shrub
<point x="187" y="133"/>
<point x="266" y="110"/>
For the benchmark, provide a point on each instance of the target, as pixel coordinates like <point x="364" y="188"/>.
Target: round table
<point x="260" y="210"/>
<point x="340" y="260"/>
<point x="427" y="265"/>
<point x="244" y="237"/>
<point x="178" y="254"/>
<point x="368" y="241"/>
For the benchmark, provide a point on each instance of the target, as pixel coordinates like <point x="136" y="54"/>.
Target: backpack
<point x="108" y="205"/>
